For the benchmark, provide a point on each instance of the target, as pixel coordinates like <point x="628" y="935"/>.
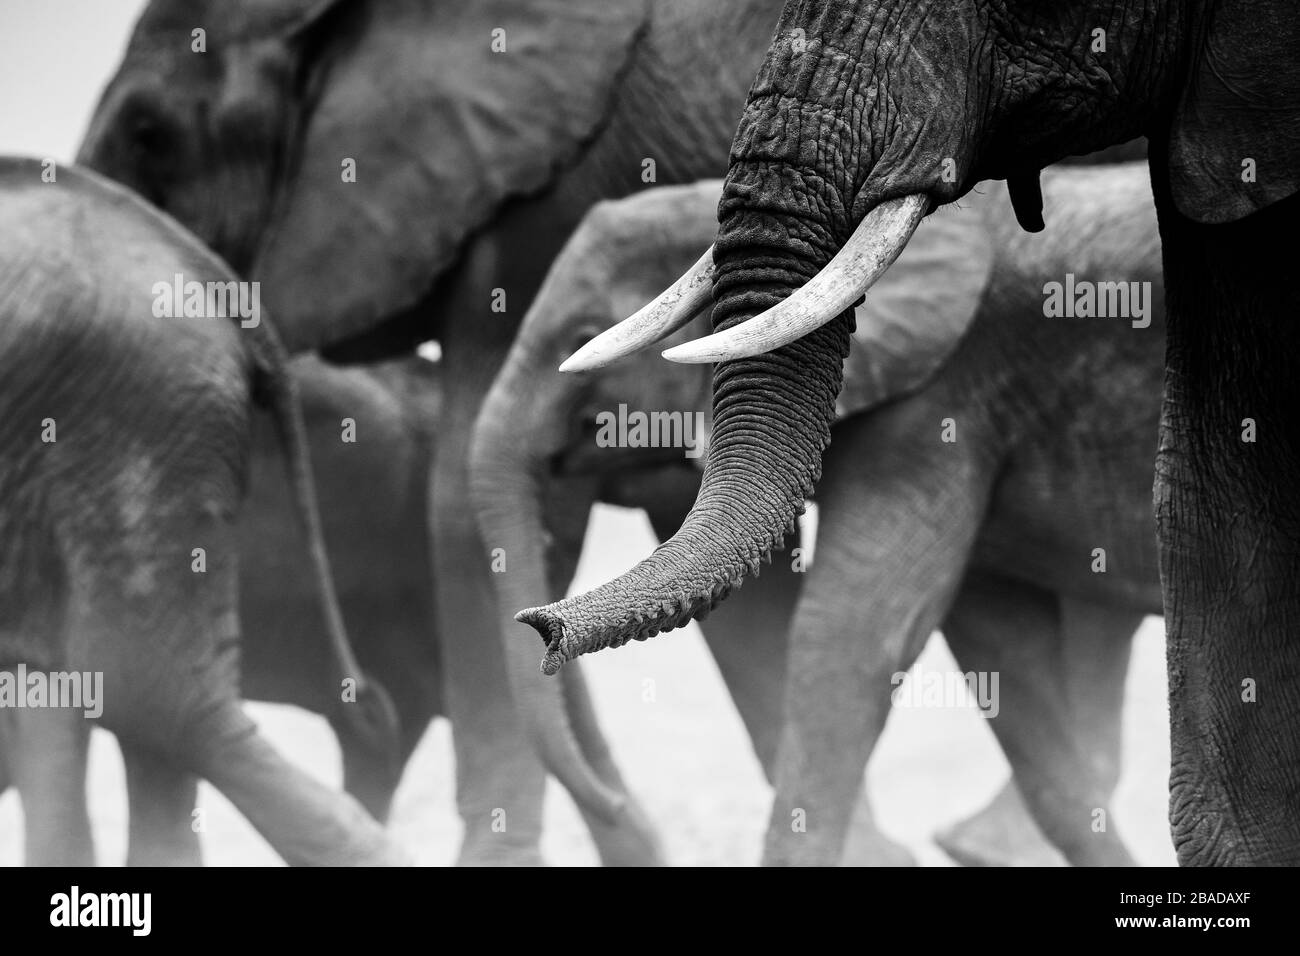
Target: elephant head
<point x="342" y="151"/>
<point x="865" y="117"/>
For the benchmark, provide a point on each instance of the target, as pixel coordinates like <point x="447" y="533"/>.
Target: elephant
<point x="867" y="115"/>
<point x="125" y="447"/>
<point x="379" y="556"/>
<point x="1006" y="575"/>
<point x="398" y="171"/>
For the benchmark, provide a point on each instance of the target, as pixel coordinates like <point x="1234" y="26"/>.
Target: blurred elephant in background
<point x="1004" y="566"/>
<point x="402" y="170"/>
<point x="902" y="112"/>
<point x="124" y="454"/>
<point x="372" y="434"/>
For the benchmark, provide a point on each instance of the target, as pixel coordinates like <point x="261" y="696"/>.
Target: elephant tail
<point x="363" y="709"/>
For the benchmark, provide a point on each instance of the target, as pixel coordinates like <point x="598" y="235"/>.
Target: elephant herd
<point x="965" y="374"/>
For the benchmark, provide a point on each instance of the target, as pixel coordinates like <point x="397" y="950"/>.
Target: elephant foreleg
<point x="164" y="829"/>
<point x="1061" y="679"/>
<point x="895" y="530"/>
<point x="47" y="750"/>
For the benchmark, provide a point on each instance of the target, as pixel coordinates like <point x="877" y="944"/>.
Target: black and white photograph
<point x="641" y="433"/>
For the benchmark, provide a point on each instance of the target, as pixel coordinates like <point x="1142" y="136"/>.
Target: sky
<point x="55" y="58"/>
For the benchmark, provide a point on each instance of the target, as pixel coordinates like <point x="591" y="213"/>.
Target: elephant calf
<point x="969" y="482"/>
<point x="123" y="455"/>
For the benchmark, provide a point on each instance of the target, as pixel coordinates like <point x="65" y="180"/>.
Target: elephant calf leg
<point x="305" y="822"/>
<point x="47" y="750"/>
<point x="164" y="827"/>
<point x="1018" y="632"/>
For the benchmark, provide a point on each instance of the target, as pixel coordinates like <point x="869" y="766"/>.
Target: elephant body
<point x="124" y="464"/>
<point x="477" y="137"/>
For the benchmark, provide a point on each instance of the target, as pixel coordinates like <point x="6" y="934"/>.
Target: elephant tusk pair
<point x="875" y="244"/>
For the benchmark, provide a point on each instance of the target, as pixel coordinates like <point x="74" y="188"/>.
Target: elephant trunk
<point x="771" y="423"/>
<point x="506" y="462"/>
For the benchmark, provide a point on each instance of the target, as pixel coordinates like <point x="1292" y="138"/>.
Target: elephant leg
<point x="170" y="690"/>
<point x="500" y="781"/>
<point x="307" y="823"/>
<point x="1063" y="751"/>
<point x="1098" y="641"/>
<point x="47" y="750"/>
<point x="748" y="638"/>
<point x="1228" y="528"/>
<point x="1096" y="644"/>
<point x="162" y="798"/>
<point x="899" y="512"/>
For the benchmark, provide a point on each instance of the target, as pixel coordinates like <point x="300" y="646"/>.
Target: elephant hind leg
<point x="46" y="750"/>
<point x="162" y="797"/>
<point x="307" y="823"/>
<point x="1057" y="713"/>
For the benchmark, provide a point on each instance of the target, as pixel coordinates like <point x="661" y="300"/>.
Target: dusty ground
<point x="686" y="755"/>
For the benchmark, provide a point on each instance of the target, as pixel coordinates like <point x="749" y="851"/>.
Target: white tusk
<point x="677" y="305"/>
<point x="872" y="249"/>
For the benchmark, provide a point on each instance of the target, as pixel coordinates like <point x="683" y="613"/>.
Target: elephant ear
<point x="1235" y="142"/>
<point x="444" y="110"/>
<point x="917" y="312"/>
